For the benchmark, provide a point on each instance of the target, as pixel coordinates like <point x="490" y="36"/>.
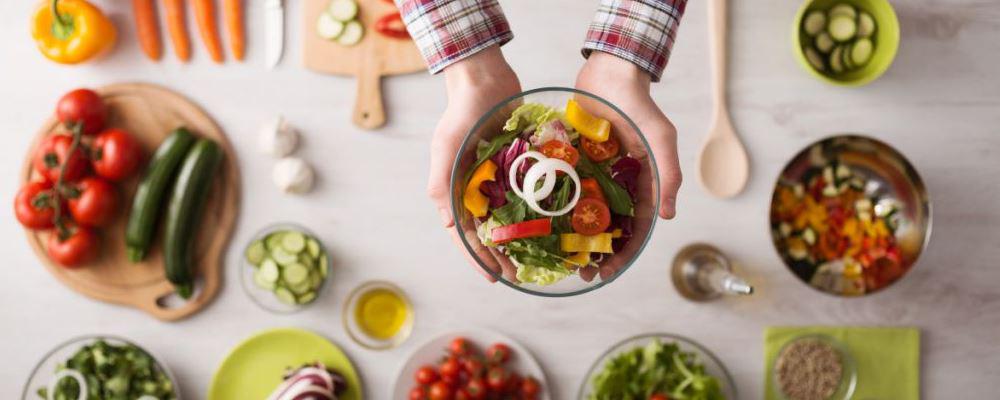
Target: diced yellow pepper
<point x="575" y="242"/>
<point x="475" y="201"/>
<point x="617" y="233"/>
<point x="578" y="260"/>
<point x="591" y="127"/>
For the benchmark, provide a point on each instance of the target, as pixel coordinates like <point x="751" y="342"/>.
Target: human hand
<point x="474" y="85"/>
<point x="627" y="86"/>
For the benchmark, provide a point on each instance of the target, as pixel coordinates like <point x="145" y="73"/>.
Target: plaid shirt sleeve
<point x="447" y="31"/>
<point x="640" y="31"/>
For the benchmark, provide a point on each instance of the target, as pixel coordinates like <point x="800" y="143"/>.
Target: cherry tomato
<point x="498" y="353"/>
<point x="473" y="366"/>
<point x="497" y="378"/>
<point x="477" y="388"/>
<point x="590" y="217"/>
<point x="450" y="368"/>
<point x="460" y="346"/>
<point x="93" y="202"/>
<point x="82" y="106"/>
<point x="530" y="388"/>
<point x="426" y="375"/>
<point x="452" y="381"/>
<point x="418" y="393"/>
<point x="441" y="391"/>
<point x="462" y="394"/>
<point x="513" y="383"/>
<point x="600" y="151"/>
<point x="590" y="189"/>
<point x="34" y="206"/>
<point x="53" y="152"/>
<point x="116" y="154"/>
<point x="658" y="396"/>
<point x="79" y="247"/>
<point x="561" y="150"/>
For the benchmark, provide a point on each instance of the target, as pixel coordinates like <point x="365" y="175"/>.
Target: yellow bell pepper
<point x="577" y="260"/>
<point x="71" y="31"/>
<point x="475" y="201"/>
<point x="591" y="127"/>
<point x="575" y="242"/>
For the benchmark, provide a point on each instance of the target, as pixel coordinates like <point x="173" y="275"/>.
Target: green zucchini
<point x="194" y="181"/>
<point x="149" y="196"/>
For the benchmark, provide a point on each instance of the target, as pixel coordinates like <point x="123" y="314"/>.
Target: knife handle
<point x="369" y="113"/>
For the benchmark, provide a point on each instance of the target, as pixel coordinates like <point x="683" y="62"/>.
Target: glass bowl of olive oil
<point x="378" y="315"/>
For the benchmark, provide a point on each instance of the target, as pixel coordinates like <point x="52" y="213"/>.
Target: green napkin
<point x="887" y="359"/>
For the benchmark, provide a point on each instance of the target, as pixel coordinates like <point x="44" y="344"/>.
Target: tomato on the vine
<point x="530" y="388"/>
<point x="116" y="154"/>
<point x="450" y="368"/>
<point x="561" y="150"/>
<point x="79" y="247"/>
<point x="590" y="217"/>
<point x="34" y="205"/>
<point x="426" y="375"/>
<point x="441" y="391"/>
<point x="602" y="151"/>
<point x="497" y="378"/>
<point x="473" y="366"/>
<point x="477" y="388"/>
<point x="53" y="152"/>
<point x="460" y="346"/>
<point x="418" y="393"/>
<point x="83" y="106"/>
<point x="92" y="202"/>
<point x="498" y="353"/>
<point x="462" y="394"/>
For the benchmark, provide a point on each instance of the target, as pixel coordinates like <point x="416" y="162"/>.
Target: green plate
<point x="255" y="367"/>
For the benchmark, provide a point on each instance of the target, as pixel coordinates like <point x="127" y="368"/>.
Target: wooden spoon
<point x="724" y="165"/>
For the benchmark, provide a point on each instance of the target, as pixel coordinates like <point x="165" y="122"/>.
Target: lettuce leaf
<point x="529" y="114"/>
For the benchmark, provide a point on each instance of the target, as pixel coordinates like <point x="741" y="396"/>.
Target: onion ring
<point x="548" y="167"/>
<point x="71" y="373"/>
<point x="547" y="186"/>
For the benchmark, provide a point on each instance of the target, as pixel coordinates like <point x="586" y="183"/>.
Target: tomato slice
<point x="590" y="217"/>
<point x="522" y="230"/>
<point x="600" y="151"/>
<point x="561" y="150"/>
<point x="590" y="189"/>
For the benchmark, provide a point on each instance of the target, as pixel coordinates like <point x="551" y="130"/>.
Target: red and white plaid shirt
<point x="640" y="31"/>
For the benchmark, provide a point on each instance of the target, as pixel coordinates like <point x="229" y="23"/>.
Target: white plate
<point x="431" y="352"/>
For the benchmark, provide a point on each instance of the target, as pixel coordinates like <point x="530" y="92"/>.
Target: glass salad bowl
<point x="45" y="371"/>
<point x="626" y="180"/>
<point x="300" y="269"/>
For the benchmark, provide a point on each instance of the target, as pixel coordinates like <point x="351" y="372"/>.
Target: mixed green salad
<point x="655" y="371"/>
<point x="102" y="370"/>
<point x="553" y="193"/>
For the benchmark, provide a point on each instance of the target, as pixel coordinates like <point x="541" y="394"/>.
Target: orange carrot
<point x="234" y="24"/>
<point x="204" y="12"/>
<point x="177" y="26"/>
<point x="146" y="27"/>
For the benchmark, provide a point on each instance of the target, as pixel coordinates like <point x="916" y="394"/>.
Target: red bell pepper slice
<point x="391" y="25"/>
<point x="522" y="230"/>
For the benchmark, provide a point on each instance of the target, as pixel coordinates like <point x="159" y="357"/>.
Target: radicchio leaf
<point x="495" y="192"/>
<point x="625" y="172"/>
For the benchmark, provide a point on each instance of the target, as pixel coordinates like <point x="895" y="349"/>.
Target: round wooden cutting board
<point x="150" y="113"/>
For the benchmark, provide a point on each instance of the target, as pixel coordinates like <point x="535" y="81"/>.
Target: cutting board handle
<point x="369" y="113"/>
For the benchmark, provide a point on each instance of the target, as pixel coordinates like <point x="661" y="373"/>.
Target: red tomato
<point x="418" y="393"/>
<point x="658" y="396"/>
<point x="530" y="388"/>
<point x="590" y="189"/>
<point x="497" y="378"/>
<point x="116" y="154"/>
<point x="477" y="388"/>
<point x="561" y="150"/>
<point x="82" y="106"/>
<point x="34" y="206"/>
<point x="462" y="394"/>
<point x="94" y="202"/>
<point x="600" y="151"/>
<point x="441" y="391"/>
<point x="450" y="368"/>
<point x="426" y="375"/>
<point x="81" y="246"/>
<point x="521" y="230"/>
<point x="590" y="217"/>
<point x="498" y="353"/>
<point x="53" y="152"/>
<point x="452" y="381"/>
<point x="460" y="346"/>
<point x="473" y="366"/>
<point x="513" y="383"/>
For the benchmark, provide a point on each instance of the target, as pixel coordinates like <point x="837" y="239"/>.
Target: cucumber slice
<point x="261" y="281"/>
<point x="842" y="28"/>
<point x="323" y="265"/>
<point x="301" y="288"/>
<point x="294" y="242"/>
<point x="353" y="32"/>
<point x="273" y="240"/>
<point x="866" y="25"/>
<point x="824" y="43"/>
<point x="315" y="280"/>
<point x="327" y="27"/>
<point x="269" y="270"/>
<point x="342" y="10"/>
<point x="256" y="252"/>
<point x="307" y="298"/>
<point x="814" y="22"/>
<point x="284" y="295"/>
<point x="836" y="60"/>
<point x="312" y="246"/>
<point x="283" y="257"/>
<point x="845" y="55"/>
<point x="308" y="261"/>
<point x="295" y="274"/>
<point x="815" y="59"/>
<point x="843" y="9"/>
<point x="861" y="52"/>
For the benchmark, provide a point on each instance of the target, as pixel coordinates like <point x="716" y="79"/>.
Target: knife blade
<point x="274" y="26"/>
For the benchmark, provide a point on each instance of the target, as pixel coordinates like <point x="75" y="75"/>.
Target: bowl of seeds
<point x="814" y="367"/>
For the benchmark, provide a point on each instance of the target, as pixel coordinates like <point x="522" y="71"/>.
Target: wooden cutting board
<point x="150" y="113"/>
<point x="371" y="59"/>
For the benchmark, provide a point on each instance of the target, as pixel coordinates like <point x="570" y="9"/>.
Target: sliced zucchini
<point x="269" y="270"/>
<point x="261" y="281"/>
<point x="814" y="22"/>
<point x="295" y="274"/>
<point x="283" y="257"/>
<point x="353" y="33"/>
<point x="328" y="27"/>
<point x="843" y="9"/>
<point x="301" y="288"/>
<point x="861" y="51"/>
<point x="284" y="295"/>
<point x="273" y="240"/>
<point x="824" y="43"/>
<point x="342" y="10"/>
<point x="308" y="261"/>
<point x="312" y="246"/>
<point x="866" y="25"/>
<point x="293" y="242"/>
<point x="846" y="56"/>
<point x="256" y="252"/>
<point x="307" y="298"/>
<point x="323" y="265"/>
<point x="315" y="280"/>
<point x="837" y="63"/>
<point x="814" y="59"/>
<point x="842" y="28"/>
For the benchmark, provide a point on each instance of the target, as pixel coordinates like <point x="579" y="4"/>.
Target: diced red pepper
<point x="522" y="230"/>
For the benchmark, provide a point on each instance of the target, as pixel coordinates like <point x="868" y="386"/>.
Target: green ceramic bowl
<point x="886" y="41"/>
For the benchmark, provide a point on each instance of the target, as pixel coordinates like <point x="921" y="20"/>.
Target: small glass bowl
<point x="849" y="376"/>
<point x="264" y="298"/>
<point x="358" y="335"/>
<point x="46" y="367"/>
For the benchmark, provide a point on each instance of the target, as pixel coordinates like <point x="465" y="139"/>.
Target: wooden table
<point x="938" y="105"/>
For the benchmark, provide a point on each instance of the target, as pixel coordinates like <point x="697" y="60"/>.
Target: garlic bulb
<point x="277" y="138"/>
<point x="293" y="175"/>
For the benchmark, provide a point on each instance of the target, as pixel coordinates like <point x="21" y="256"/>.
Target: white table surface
<point x="939" y="105"/>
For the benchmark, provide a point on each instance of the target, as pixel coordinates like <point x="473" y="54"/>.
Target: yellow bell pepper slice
<point x="591" y="127"/>
<point x="475" y="201"/>
<point x="71" y="31"/>
<point x="577" y="260"/>
<point x="575" y="243"/>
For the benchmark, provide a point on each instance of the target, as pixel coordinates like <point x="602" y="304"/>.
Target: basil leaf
<point x="618" y="198"/>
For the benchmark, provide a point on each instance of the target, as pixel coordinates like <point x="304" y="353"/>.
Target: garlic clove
<point x="293" y="175"/>
<point x="277" y="138"/>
